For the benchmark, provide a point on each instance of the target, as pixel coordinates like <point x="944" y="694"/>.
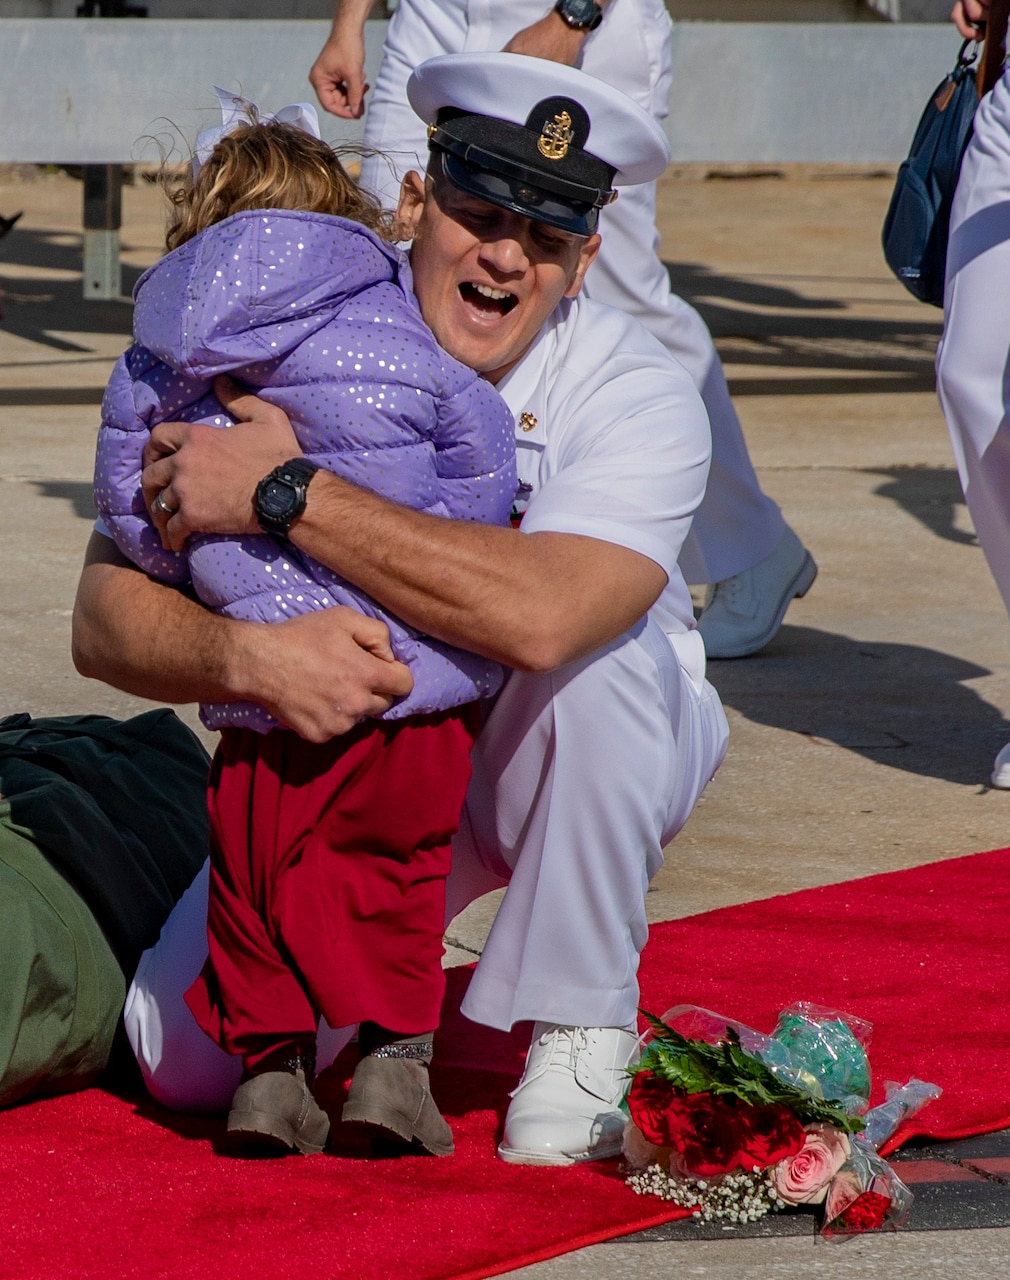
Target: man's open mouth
<point x="485" y="297"/>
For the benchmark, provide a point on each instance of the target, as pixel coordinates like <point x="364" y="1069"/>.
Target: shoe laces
<point x="565" y="1043"/>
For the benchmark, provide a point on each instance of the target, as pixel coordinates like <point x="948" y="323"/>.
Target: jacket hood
<point x="251" y="288"/>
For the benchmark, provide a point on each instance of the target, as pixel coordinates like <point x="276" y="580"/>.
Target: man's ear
<point x="411" y="206"/>
<point x="588" y="250"/>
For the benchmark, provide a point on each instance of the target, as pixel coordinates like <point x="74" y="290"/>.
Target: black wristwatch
<point x="281" y="496"/>
<point x="583" y="15"/>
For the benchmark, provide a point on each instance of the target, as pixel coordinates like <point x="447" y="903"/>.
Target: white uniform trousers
<point x="973" y="359"/>
<point x="737" y="525"/>
<point x="580" y="777"/>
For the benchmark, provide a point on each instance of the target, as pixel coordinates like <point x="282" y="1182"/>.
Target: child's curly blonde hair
<point x="270" y="165"/>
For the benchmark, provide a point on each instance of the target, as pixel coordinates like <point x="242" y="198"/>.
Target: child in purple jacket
<point x="328" y="862"/>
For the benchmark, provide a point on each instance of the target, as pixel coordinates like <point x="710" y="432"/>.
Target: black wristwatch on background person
<point x="281" y="496"/>
<point x="583" y="15"/>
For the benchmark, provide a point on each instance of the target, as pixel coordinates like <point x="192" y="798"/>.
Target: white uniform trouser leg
<point x="737" y="525"/>
<point x="973" y="360"/>
<point x="581" y="776"/>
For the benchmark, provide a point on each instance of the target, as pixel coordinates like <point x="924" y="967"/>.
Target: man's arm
<point x="319" y="674"/>
<point x="338" y="74"/>
<point x="552" y="38"/>
<point x="531" y="601"/>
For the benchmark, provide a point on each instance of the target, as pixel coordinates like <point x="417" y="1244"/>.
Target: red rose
<point x="705" y="1133"/>
<point x="711" y="1135"/>
<point x="649" y="1099"/>
<point x="768" y="1135"/>
<point x="868" y="1212"/>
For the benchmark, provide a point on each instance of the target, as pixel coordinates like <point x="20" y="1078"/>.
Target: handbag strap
<point x="990" y="66"/>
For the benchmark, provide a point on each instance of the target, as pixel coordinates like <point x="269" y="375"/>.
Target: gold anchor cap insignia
<point x="556" y="137"/>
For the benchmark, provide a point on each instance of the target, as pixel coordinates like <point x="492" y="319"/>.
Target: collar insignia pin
<point x="557" y="137"/>
<point x="527" y="421"/>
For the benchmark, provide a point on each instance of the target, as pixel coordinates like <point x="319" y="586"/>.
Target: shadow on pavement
<point x="896" y="704"/>
<point x="773" y="326"/>
<point x="931" y="494"/>
<point x="34" y="306"/>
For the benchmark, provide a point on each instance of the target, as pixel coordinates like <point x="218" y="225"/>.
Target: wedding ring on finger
<point x="163" y="506"/>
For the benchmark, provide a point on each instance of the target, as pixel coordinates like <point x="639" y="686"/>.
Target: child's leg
<point x="329" y="885"/>
<point x="371" y="952"/>
<point x="360" y="911"/>
<point x="246" y="997"/>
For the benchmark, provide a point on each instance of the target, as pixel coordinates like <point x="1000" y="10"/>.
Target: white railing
<point x="100" y="90"/>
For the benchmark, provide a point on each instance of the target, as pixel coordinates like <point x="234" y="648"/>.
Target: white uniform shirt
<point x="613" y="443"/>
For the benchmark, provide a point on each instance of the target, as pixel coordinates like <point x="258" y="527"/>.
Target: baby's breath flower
<point x="735" y="1197"/>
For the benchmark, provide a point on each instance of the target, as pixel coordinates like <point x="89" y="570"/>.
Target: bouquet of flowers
<point x="733" y="1125"/>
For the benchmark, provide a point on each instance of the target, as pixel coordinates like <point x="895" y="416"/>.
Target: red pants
<point x="328" y="869"/>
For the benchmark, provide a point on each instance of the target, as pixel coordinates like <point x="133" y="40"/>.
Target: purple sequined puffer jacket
<point x="317" y="315"/>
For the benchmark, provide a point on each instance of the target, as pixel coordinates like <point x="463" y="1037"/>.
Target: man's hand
<point x="966" y="13"/>
<point x="338" y="74"/>
<point x="200" y="479"/>
<point x="320" y="674"/>
<point x="551" y="38"/>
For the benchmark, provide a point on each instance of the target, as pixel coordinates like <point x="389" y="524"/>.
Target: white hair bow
<point x="236" y="111"/>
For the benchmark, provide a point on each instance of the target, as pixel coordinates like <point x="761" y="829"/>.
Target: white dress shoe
<point x="1001" y="769"/>
<point x="565" y="1107"/>
<point x="742" y="614"/>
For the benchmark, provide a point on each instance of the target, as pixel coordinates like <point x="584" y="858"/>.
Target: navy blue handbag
<point x="918" y="217"/>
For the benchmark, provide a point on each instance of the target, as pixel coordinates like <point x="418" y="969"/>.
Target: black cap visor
<point x="513" y="185"/>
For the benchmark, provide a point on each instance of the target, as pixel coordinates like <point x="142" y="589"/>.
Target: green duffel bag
<point x="103" y="826"/>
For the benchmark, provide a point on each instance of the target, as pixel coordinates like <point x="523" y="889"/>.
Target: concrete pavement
<point x="861" y="738"/>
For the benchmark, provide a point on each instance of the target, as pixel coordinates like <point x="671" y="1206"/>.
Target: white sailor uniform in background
<point x="973" y="359"/>
<point x="737" y="525"/>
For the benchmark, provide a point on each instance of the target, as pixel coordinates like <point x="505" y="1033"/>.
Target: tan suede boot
<point x="275" y="1111"/>
<point x="391" y="1095"/>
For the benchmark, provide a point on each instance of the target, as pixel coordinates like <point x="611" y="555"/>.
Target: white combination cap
<point x="544" y="139"/>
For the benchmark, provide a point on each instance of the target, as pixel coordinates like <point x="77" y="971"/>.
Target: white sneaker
<point x="742" y="614"/>
<point x="1001" y="769"/>
<point x="565" y="1107"/>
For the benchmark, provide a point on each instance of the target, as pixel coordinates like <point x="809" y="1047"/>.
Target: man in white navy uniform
<point x="972" y="363"/>
<point x="606" y="732"/>
<point x="739" y="541"/>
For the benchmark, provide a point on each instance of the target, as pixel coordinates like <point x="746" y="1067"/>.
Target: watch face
<point x="276" y="498"/>
<point x="580" y="11"/>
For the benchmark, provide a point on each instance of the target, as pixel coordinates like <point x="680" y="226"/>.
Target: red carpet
<point x="99" y="1186"/>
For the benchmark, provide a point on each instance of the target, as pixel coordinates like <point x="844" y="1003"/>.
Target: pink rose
<point x="804" y="1177"/>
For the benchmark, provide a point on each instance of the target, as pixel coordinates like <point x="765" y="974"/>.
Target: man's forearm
<point x="530" y="601"/>
<point x="172" y="650"/>
<point x="351" y="14"/>
<point x="552" y="38"/>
